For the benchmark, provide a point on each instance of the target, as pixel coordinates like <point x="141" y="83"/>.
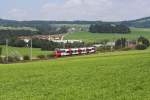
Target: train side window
<point x="88" y="49"/>
<point x="93" y="48"/>
<point x="80" y="50"/>
<point x="62" y="51"/>
<point x="75" y="51"/>
<point x="68" y="51"/>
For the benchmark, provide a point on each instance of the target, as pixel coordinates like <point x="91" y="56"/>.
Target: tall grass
<point x="115" y="76"/>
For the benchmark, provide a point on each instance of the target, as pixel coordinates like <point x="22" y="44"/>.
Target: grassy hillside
<point x="142" y="22"/>
<point x="90" y="37"/>
<point x="109" y="76"/>
<point x="25" y="51"/>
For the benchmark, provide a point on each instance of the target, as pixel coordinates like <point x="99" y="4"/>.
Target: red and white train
<point x="74" y="51"/>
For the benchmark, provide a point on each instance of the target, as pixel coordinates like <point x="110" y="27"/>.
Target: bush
<point x="105" y="49"/>
<point x="2" y="60"/>
<point x="26" y="57"/>
<point x="141" y="47"/>
<point x="0" y="51"/>
<point x="120" y="43"/>
<point x="11" y="59"/>
<point x="143" y="40"/>
<point x="126" y="49"/>
<point x="17" y="43"/>
<point x="50" y="56"/>
<point x="42" y="57"/>
<point x="18" y="58"/>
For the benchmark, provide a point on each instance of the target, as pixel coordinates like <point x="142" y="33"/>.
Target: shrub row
<point x="45" y="56"/>
<point x="13" y="59"/>
<point x="141" y="47"/>
<point x="10" y="59"/>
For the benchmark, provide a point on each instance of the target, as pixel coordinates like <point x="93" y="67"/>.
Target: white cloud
<point x="110" y="10"/>
<point x="77" y="9"/>
<point x="18" y="14"/>
<point x="96" y="10"/>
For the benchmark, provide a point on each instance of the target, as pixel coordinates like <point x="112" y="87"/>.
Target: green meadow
<point x="94" y="37"/>
<point x="102" y="76"/>
<point x="24" y="51"/>
<point x="119" y="75"/>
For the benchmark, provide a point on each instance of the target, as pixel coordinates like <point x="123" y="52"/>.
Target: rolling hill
<point x="140" y="23"/>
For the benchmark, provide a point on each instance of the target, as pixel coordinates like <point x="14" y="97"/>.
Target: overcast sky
<point x="106" y="10"/>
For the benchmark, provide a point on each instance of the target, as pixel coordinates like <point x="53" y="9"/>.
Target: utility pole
<point x="6" y="50"/>
<point x="31" y="50"/>
<point x="121" y="43"/>
<point x="111" y="46"/>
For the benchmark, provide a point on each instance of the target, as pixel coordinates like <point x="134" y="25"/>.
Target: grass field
<point x="25" y="51"/>
<point x="109" y="76"/>
<point x="90" y="37"/>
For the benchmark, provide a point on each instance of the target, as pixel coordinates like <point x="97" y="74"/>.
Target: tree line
<point x="141" y="43"/>
<point x="45" y="44"/>
<point x="109" y="28"/>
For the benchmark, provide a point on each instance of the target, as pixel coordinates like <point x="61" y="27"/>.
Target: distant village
<point x="60" y="39"/>
<point x="53" y="38"/>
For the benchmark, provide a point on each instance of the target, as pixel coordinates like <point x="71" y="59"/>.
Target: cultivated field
<point x="93" y="37"/>
<point x="109" y="76"/>
<point x="25" y="51"/>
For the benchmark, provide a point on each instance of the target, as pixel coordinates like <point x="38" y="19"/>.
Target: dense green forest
<point x="109" y="28"/>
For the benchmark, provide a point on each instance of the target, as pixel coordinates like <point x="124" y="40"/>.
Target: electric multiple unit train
<point x="74" y="51"/>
